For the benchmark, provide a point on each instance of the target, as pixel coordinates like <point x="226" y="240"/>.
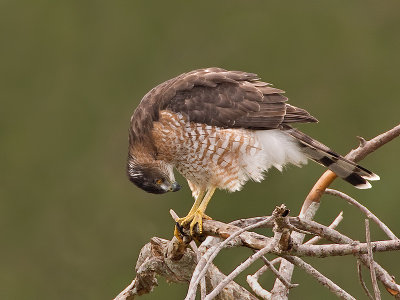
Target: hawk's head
<point x="155" y="178"/>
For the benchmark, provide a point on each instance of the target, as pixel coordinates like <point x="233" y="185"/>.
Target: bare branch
<point x="279" y="291"/>
<point x="365" y="210"/>
<point x="326" y="282"/>
<point x="127" y="293"/>
<point x="364" y="286"/>
<point x="377" y="292"/>
<point x="271" y="245"/>
<point x="256" y="241"/>
<point x="276" y="243"/>
<point x="209" y="256"/>
<point x="344" y="249"/>
<point x="365" y="148"/>
<point x="277" y="274"/>
<point x="265" y="267"/>
<point x="154" y="260"/>
<point x="256" y="287"/>
<point x="374" y="144"/>
<point x="333" y="225"/>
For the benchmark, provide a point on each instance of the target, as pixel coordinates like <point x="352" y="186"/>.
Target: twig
<point x="365" y="210"/>
<point x="277" y="274"/>
<point x="344" y="249"/>
<point x="127" y="292"/>
<point x="256" y="287"/>
<point x="326" y="282"/>
<point x="252" y="280"/>
<point x="332" y="235"/>
<point x="372" y="145"/>
<point x="279" y="291"/>
<point x="333" y="225"/>
<point x="272" y="244"/>
<point x="364" y="286"/>
<point x="265" y="267"/>
<point x="371" y="261"/>
<point x="209" y="256"/>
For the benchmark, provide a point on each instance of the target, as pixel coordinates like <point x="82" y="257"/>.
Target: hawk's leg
<point x="196" y="213"/>
<point x="199" y="213"/>
<point x="186" y="220"/>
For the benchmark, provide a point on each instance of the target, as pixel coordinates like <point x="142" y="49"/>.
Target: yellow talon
<point x="193" y="219"/>
<point x="198" y="219"/>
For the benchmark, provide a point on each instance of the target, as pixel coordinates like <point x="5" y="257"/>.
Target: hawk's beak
<point x="175" y="187"/>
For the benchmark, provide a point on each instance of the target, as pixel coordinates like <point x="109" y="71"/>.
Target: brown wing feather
<point x="214" y="96"/>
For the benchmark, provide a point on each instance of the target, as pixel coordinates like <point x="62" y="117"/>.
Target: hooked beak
<point x="175" y="187"/>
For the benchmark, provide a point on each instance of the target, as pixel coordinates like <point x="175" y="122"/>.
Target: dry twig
<point x="377" y="292"/>
<point x="365" y="210"/>
<point x="364" y="286"/>
<point x="326" y="282"/>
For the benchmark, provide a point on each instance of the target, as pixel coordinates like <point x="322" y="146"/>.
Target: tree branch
<point x="365" y="210"/>
<point x="280" y="292"/>
<point x="377" y="292"/>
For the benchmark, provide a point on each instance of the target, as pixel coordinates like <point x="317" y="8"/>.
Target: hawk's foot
<point x="193" y="219"/>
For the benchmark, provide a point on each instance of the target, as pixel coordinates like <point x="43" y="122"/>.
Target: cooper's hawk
<point x="219" y="129"/>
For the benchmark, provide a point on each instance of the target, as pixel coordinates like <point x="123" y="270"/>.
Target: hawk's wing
<point x="232" y="99"/>
<point x="214" y="96"/>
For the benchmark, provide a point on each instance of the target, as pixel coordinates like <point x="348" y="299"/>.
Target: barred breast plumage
<point x="226" y="158"/>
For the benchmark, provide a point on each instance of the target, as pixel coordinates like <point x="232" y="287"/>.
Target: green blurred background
<point x="71" y="74"/>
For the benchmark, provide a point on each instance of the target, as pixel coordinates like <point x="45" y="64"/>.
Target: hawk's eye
<point x="159" y="181"/>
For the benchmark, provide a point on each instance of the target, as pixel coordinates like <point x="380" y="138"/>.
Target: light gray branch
<point x="344" y="249"/>
<point x="273" y="243"/>
<point x="257" y="288"/>
<point x="209" y="256"/>
<point x="270" y="265"/>
<point x="377" y="292"/>
<point x="280" y="292"/>
<point x="365" y="210"/>
<point x="364" y="286"/>
<point x="326" y="282"/>
<point x="333" y="225"/>
<point x="155" y="259"/>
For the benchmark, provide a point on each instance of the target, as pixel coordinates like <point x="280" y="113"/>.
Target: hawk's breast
<point x="213" y="156"/>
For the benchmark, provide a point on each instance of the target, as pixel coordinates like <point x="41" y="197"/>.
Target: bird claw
<point x="192" y="219"/>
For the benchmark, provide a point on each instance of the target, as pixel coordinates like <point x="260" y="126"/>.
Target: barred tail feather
<point x="342" y="167"/>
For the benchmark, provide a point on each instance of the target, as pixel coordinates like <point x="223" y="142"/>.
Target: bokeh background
<point x="71" y="74"/>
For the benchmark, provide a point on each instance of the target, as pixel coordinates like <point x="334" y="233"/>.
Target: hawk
<point x="219" y="129"/>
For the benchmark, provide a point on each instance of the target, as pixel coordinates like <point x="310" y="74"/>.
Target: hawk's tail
<point x="342" y="167"/>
